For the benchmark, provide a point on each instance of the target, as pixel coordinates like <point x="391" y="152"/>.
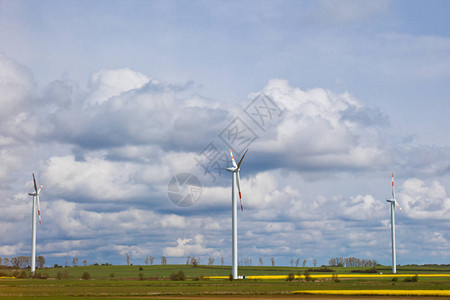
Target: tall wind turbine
<point x="33" y="224"/>
<point x="236" y="181"/>
<point x="393" y="204"/>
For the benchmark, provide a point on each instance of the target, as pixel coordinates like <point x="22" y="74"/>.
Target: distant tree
<point x="297" y="261"/>
<point x="292" y="262"/>
<point x="210" y="261"/>
<point x="188" y="260"/>
<point x="15" y="262"/>
<point x="315" y="262"/>
<point x="128" y="258"/>
<point x="163" y="260"/>
<point x="194" y="262"/>
<point x="307" y="276"/>
<point x="86" y="276"/>
<point x="221" y="260"/>
<point x="75" y="262"/>
<point x="6" y="261"/>
<point x="85" y="263"/>
<point x="273" y="261"/>
<point x="146" y="260"/>
<point x="260" y="262"/>
<point x="304" y="263"/>
<point x="332" y="262"/>
<point x="40" y="260"/>
<point x="178" y="276"/>
<point x="20" y="261"/>
<point x="151" y="258"/>
<point x="0" y="261"/>
<point x="67" y="262"/>
<point x="62" y="275"/>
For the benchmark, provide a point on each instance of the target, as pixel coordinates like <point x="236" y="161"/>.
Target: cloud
<point x="344" y="11"/>
<point x="133" y="114"/>
<point x="424" y="202"/>
<point x="109" y="83"/>
<point x="16" y="121"/>
<point x="10" y="250"/>
<point x="189" y="247"/>
<point x="362" y="208"/>
<point x="321" y="130"/>
<point x="94" y="178"/>
<point x="16" y="84"/>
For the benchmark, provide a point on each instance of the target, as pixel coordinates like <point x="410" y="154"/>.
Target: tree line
<point x="351" y="262"/>
<point x="21" y="262"/>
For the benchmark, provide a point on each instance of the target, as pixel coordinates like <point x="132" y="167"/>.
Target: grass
<point x="126" y="283"/>
<point x="377" y="292"/>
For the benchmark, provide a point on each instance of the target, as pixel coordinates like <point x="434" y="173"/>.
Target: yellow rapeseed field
<point x="272" y="277"/>
<point x="377" y="292"/>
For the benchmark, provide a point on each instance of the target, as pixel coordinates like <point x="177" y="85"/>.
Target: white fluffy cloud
<point x="16" y="120"/>
<point x="95" y="178"/>
<point x="319" y="129"/>
<point x="190" y="247"/>
<point x="423" y="201"/>
<point x="109" y="83"/>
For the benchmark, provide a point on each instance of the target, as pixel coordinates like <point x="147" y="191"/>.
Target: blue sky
<point x="106" y="101"/>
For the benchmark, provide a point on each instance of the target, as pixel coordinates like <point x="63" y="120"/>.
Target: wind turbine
<point x="33" y="224"/>
<point x="236" y="181"/>
<point x="393" y="204"/>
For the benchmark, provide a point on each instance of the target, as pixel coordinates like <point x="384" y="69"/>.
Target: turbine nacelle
<point x="36" y="194"/>
<point x="235" y="169"/>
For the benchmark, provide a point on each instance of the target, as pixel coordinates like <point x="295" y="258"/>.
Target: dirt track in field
<point x="286" y="297"/>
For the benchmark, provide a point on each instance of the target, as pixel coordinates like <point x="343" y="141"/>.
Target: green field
<point x="154" y="282"/>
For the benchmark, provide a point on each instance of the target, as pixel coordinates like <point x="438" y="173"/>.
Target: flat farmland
<point x="154" y="282"/>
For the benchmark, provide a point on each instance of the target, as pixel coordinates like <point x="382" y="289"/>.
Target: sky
<point x="111" y="102"/>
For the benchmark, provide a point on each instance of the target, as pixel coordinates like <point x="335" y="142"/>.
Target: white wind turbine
<point x="33" y="224"/>
<point x="393" y="204"/>
<point x="236" y="181"/>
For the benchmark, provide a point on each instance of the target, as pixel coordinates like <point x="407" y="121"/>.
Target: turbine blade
<point x="38" y="209"/>
<point x="40" y="188"/>
<point x="232" y="159"/>
<point x="35" y="186"/>
<point x="393" y="191"/>
<point x="398" y="205"/>
<point x="239" y="164"/>
<point x="238" y="181"/>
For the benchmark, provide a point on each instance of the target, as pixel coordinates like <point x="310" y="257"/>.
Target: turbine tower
<point x="235" y="182"/>
<point x="33" y="224"/>
<point x="393" y="204"/>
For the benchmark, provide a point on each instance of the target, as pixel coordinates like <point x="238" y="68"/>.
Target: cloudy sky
<point x="107" y="101"/>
